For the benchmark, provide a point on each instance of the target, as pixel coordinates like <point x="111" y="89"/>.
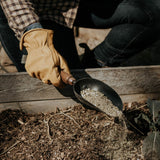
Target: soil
<point x="75" y="133"/>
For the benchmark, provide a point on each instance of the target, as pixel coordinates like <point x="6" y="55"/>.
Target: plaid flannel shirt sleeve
<point x="20" y="14"/>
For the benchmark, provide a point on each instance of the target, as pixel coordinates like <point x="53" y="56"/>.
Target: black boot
<point x="88" y="59"/>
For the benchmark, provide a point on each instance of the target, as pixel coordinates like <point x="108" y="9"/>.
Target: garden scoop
<point x="91" y="84"/>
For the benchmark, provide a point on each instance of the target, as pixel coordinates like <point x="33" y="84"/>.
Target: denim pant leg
<point x="134" y="23"/>
<point x="135" y="26"/>
<point x="10" y="43"/>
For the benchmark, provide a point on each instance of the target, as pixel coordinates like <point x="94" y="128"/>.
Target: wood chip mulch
<point x="76" y="133"/>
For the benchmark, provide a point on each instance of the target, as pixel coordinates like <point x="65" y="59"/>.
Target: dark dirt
<point x="73" y="134"/>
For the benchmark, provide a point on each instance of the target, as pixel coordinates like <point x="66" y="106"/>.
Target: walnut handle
<point x="67" y="78"/>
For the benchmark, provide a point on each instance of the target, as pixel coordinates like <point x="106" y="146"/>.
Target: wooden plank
<point x="39" y="106"/>
<point x="125" y="80"/>
<point x="47" y="106"/>
<point x="139" y="97"/>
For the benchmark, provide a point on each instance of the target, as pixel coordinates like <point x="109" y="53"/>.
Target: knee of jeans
<point x="136" y="14"/>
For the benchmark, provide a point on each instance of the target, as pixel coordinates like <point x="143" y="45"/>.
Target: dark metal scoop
<point x="93" y="84"/>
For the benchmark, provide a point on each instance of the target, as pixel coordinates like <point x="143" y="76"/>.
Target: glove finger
<point x="33" y="74"/>
<point x="54" y="78"/>
<point x="60" y="61"/>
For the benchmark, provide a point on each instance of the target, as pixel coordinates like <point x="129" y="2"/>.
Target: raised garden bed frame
<point x="20" y="91"/>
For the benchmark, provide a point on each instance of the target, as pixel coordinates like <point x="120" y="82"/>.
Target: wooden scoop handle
<point x="67" y="78"/>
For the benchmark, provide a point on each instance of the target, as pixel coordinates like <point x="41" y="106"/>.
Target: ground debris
<point x="76" y="133"/>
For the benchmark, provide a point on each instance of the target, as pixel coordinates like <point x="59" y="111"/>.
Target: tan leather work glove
<point x="43" y="61"/>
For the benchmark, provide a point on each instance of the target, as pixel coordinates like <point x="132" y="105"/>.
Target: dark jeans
<point x="10" y="43"/>
<point x="135" y="25"/>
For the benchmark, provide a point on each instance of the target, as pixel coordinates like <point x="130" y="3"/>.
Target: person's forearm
<point x="20" y="14"/>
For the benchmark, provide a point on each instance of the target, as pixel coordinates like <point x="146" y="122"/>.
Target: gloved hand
<point x="43" y="61"/>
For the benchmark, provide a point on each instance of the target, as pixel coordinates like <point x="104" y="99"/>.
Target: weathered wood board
<point x="19" y="90"/>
